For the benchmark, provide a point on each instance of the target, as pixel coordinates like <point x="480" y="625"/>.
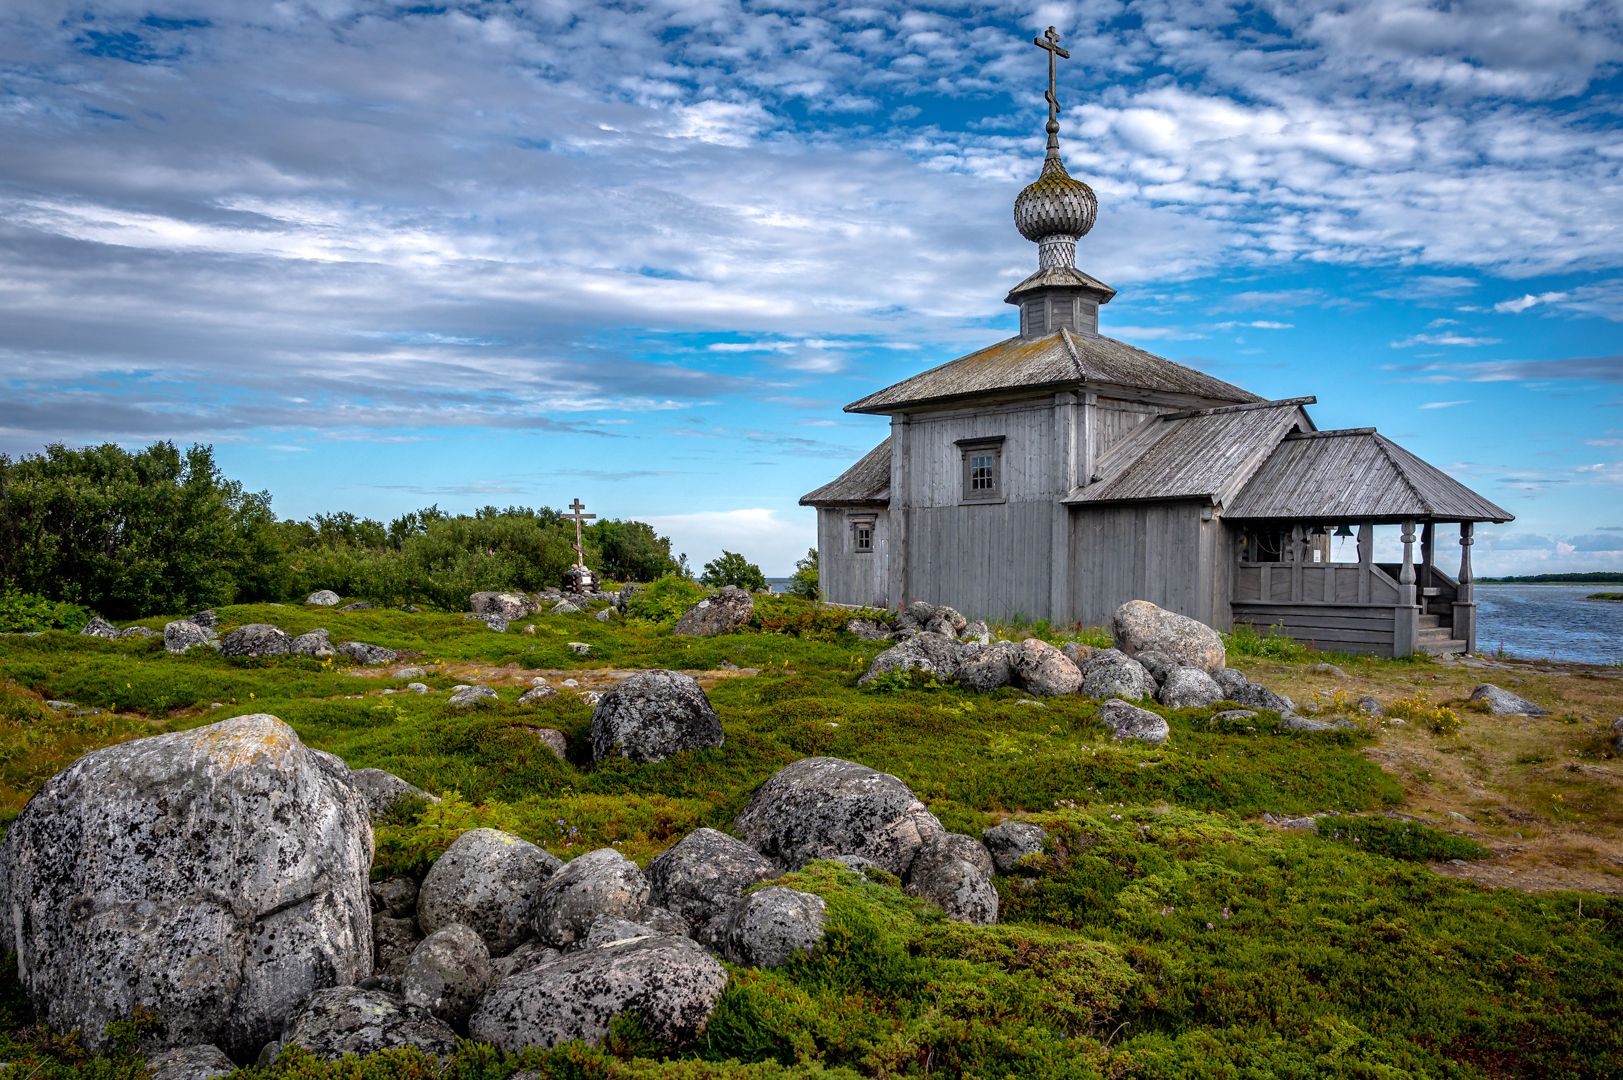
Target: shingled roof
<point x="1057" y="360"/>
<point x="867" y="483"/>
<point x="1355" y="475"/>
<point x="1202" y="454"/>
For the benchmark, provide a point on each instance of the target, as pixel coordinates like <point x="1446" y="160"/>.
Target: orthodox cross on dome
<point x="1049" y="43"/>
<point x="577" y="517"/>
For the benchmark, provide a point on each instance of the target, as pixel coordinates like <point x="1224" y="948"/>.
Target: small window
<point x="983" y="469"/>
<point x="862" y="535"/>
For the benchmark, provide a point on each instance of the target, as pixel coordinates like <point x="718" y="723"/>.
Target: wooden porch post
<point x="1405" y="616"/>
<point x="1366" y="559"/>
<point x="900" y="495"/>
<point x="1428" y="556"/>
<point x="1296" y="562"/>
<point x="1465" y="599"/>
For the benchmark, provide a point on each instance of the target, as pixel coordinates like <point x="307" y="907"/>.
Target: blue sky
<point x="389" y="255"/>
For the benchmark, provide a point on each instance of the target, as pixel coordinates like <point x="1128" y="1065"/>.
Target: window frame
<point x="856" y="523"/>
<point x="969" y="449"/>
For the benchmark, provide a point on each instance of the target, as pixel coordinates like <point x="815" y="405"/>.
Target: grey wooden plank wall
<point x="850" y="577"/>
<point x="1114" y="419"/>
<point x="1142" y="551"/>
<point x="989" y="562"/>
<point x="1365" y="628"/>
<point x="935" y="473"/>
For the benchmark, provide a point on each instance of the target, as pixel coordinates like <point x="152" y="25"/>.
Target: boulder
<point x="935" y="654"/>
<point x="537" y="693"/>
<point x="1078" y="653"/>
<point x="1305" y="724"/>
<point x="395" y="896"/>
<point x="770" y="926"/>
<point x="1012" y="841"/>
<point x="652" y="715"/>
<point x="1371" y="705"/>
<point x="819" y="807"/>
<point x="1042" y="669"/>
<point x="414" y="688"/>
<point x="1504" y="703"/>
<point x="668" y="981"/>
<point x="579" y="648"/>
<point x="183" y="635"/>
<point x="606" y="615"/>
<point x="370" y="655"/>
<point x="984" y="668"/>
<point x="1139" y="626"/>
<point x="447" y="973"/>
<point x="977" y="632"/>
<point x="553" y="739"/>
<point x="348" y="1020"/>
<point x="206" y="618"/>
<point x="204" y="1061"/>
<point x="954" y="872"/>
<point x="394" y="939"/>
<point x="490" y="882"/>
<point x="469" y="696"/>
<point x="359" y="605"/>
<point x="727" y="612"/>
<point x="867" y="630"/>
<point x="611" y="929"/>
<point x="322" y="598"/>
<point x="601" y="882"/>
<point x="506" y="605"/>
<point x="256" y="639"/>
<point x="412" y="672"/>
<point x="1158" y="664"/>
<point x="492" y="622"/>
<point x="382" y="790"/>
<point x="1242" y="691"/>
<point x="137" y="631"/>
<point x="1328" y="669"/>
<point x="1189" y="688"/>
<point x="316" y="643"/>
<point x="701" y="877"/>
<point x="214" y="877"/>
<point x="1111" y="673"/>
<point x="566" y="607"/>
<point x="529" y="955"/>
<point x="99" y="627"/>
<point x="622" y="598"/>
<point x="1131" y="722"/>
<point x="1234" y="716"/>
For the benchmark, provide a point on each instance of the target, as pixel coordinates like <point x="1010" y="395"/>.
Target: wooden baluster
<point x="1406" y="575"/>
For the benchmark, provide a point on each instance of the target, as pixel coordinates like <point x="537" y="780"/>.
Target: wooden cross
<point x="1049" y="43"/>
<point x="577" y="517"/>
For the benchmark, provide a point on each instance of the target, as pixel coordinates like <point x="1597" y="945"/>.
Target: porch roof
<point x="1355" y="474"/>
<point x="867" y="483"/>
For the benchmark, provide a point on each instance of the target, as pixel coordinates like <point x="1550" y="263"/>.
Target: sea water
<point x="1553" y="621"/>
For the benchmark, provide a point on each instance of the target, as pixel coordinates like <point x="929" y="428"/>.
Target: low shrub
<point x="1398" y="839"/>
<point x="1245" y="641"/>
<point x="664" y="599"/>
<point x="1419" y="710"/>
<point x="22" y="612"/>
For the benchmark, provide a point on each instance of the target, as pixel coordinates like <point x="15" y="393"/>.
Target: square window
<point x="862" y="535"/>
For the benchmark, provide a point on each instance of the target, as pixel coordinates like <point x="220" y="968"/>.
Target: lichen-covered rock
<point x="1042" y="669"/>
<point x="370" y="655"/>
<point x="819" y="807"/>
<point x="984" y="668"/>
<point x="182" y="635"/>
<point x="553" y="739"/>
<point x="137" y="631"/>
<point x="394" y="939"/>
<point x="348" y="1020"/>
<point x="772" y="925"/>
<point x="1242" y="691"/>
<point x="489" y="881"/>
<point x="204" y="1061"/>
<point x="727" y="612"/>
<point x="701" y="877"/>
<point x="1158" y="664"/>
<point x="395" y="896"/>
<point x="469" y="696"/>
<point x="359" y="605"/>
<point x="322" y="598"/>
<point x="99" y="627"/>
<point x="214" y="877"/>
<point x="601" y="882"/>
<point x="447" y="973"/>
<point x="1305" y="724"/>
<point x="1370" y="705"/>
<point x="609" y="929"/>
<point x="566" y="607"/>
<point x="382" y="790"/>
<point x="539" y="692"/>
<point x="529" y="955"/>
<point x="1504" y="703"/>
<point x="935" y="654"/>
<point x="652" y="715"/>
<point x="1189" y="688"/>
<point x="954" y="872"/>
<point x="492" y="622"/>
<point x="1131" y="722"/>
<point x="1077" y="653"/>
<point x="867" y="630"/>
<point x="256" y="639"/>
<point x="315" y="643"/>
<point x="1012" y="841"/>
<point x="1111" y="673"/>
<point x="977" y="632"/>
<point x="206" y="618"/>
<point x="506" y="605"/>
<point x="1139" y="626"/>
<point x="669" y="982"/>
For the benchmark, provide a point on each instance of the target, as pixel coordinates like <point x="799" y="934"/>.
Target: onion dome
<point x="1055" y="204"/>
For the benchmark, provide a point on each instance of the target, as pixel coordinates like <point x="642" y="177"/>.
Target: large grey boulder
<point x="1139" y="626"/>
<point x="489" y="881"/>
<point x="1012" y="841"/>
<point x="954" y="872"/>
<point x="1131" y="722"/>
<point x="447" y="973"/>
<point x="182" y="635"/>
<point x="1504" y="703"/>
<point x="601" y="882"/>
<point x="1242" y="691"/>
<point x="348" y="1020"/>
<point x="671" y="983"/>
<point x="206" y="618"/>
<point x="1189" y="688"/>
<point x="984" y="668"/>
<point x="772" y="925"/>
<point x="369" y="655"/>
<point x="315" y="643"/>
<point x="256" y="639"/>
<point x="1043" y="669"/>
<point x="214" y="877"/>
<point x="382" y="790"/>
<point x="1111" y="673"/>
<point x="932" y="653"/>
<point x="99" y="627"/>
<point x="652" y="715"/>
<point x="820" y="807"/>
<point x="727" y="612"/>
<point x="469" y="696"/>
<point x="492" y="622"/>
<point x="202" y="1062"/>
<point x="505" y="605"/>
<point x="322" y="598"/>
<point x="867" y="630"/>
<point x="701" y="877"/>
<point x="529" y="955"/>
<point x="394" y="939"/>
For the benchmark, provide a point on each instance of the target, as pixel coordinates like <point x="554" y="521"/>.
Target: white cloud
<point x="1526" y="301"/>
<point x="1452" y="340"/>
<point x="1445" y="404"/>
<point x="772" y="539"/>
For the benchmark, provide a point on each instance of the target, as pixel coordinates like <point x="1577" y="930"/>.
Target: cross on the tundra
<point x="1049" y="42"/>
<point x="577" y="517"/>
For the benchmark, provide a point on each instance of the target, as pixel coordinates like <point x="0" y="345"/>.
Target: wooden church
<point x="1060" y="473"/>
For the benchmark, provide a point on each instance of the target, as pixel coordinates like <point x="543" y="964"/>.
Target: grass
<point x="1166" y="932"/>
<point x="1605" y="596"/>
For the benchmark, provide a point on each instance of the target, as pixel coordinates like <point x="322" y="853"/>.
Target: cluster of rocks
<point x="920" y="617"/>
<point x="499" y="610"/>
<point x="263" y="639"/>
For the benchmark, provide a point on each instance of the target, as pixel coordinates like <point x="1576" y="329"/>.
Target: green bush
<point x="1398" y="839"/>
<point x="664" y="600"/>
<point x="804" y="581"/>
<point x="1245" y="641"/>
<point x="731" y="568"/>
<point x="24" y="612"/>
